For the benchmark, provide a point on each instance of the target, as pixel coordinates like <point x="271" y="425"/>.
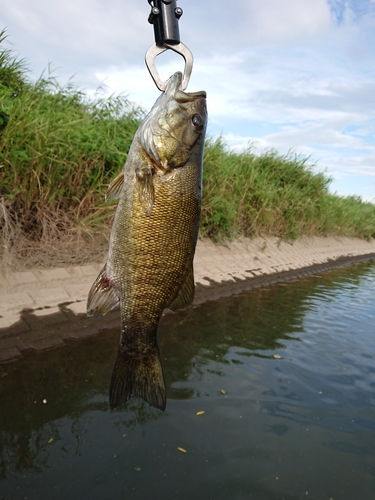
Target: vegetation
<point x="250" y="194"/>
<point x="59" y="148"/>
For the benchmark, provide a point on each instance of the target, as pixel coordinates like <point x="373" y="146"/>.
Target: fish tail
<point x="140" y="375"/>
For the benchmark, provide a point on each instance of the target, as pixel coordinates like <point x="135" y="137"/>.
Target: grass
<point x="270" y="194"/>
<point x="59" y="149"/>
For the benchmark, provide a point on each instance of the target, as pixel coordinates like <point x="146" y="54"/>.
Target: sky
<point x="297" y="76"/>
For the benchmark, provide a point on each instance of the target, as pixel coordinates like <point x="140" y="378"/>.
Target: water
<point x="291" y="427"/>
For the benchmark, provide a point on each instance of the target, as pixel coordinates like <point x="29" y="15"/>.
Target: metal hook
<point x="181" y="49"/>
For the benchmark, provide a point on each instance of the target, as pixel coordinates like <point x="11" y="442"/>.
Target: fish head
<point x="176" y="123"/>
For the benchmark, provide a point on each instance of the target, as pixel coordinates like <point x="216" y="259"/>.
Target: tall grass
<point x="59" y="148"/>
<point x="252" y="194"/>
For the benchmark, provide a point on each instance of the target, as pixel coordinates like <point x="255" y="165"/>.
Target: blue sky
<point x="293" y="75"/>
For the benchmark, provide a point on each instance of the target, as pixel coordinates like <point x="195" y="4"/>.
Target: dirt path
<point x="41" y="309"/>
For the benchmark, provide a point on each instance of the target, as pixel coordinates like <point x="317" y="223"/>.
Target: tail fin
<point x="139" y="375"/>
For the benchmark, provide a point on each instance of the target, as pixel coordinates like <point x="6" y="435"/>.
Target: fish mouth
<point x="173" y="89"/>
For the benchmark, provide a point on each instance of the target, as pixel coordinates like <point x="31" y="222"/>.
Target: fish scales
<point x="153" y="238"/>
<point x="155" y="250"/>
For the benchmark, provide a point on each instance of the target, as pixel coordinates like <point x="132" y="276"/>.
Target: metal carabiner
<point x="181" y="49"/>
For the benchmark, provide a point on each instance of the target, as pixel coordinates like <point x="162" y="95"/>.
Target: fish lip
<point x="182" y="97"/>
<point x="174" y="83"/>
<point x="173" y="90"/>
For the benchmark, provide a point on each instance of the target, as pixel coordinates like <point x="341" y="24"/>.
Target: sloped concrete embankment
<point x="44" y="308"/>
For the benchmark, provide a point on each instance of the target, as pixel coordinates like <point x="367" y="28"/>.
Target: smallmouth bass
<point x="153" y="238"/>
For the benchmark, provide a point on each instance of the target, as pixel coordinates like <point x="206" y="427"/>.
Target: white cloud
<point x="78" y="36"/>
<point x="246" y="23"/>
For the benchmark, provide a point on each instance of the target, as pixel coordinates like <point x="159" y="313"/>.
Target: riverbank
<point x="43" y="308"/>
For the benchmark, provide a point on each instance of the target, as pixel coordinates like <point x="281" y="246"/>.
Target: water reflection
<point x="54" y="412"/>
<point x="259" y="320"/>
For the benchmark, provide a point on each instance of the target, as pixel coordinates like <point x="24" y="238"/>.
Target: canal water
<point x="271" y="395"/>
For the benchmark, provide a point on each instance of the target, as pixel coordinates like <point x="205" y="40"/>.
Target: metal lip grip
<point x="164" y="16"/>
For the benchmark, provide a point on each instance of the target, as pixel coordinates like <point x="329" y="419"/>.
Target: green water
<point x="299" y="426"/>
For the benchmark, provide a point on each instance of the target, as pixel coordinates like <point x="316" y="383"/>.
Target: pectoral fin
<point x="102" y="296"/>
<point x="115" y="188"/>
<point x="146" y="188"/>
<point x="186" y="293"/>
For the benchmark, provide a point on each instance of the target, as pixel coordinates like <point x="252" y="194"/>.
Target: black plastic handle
<point x="164" y="16"/>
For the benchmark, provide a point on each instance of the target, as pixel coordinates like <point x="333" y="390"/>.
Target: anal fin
<point x="102" y="297"/>
<point x="186" y="293"/>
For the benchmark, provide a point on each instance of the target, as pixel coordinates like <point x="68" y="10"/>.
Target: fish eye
<point x="197" y="121"/>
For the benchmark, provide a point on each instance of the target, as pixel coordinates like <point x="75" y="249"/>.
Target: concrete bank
<point x="43" y="308"/>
